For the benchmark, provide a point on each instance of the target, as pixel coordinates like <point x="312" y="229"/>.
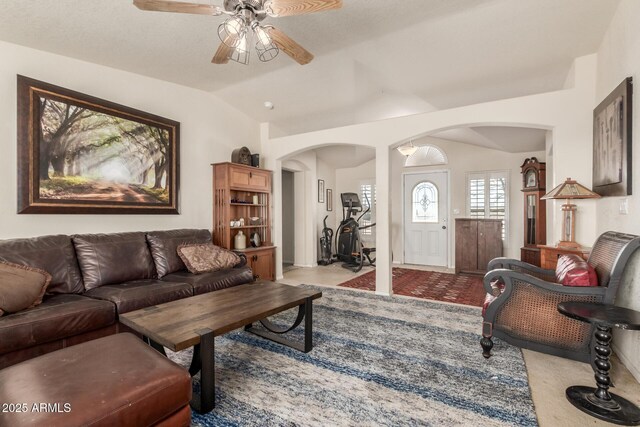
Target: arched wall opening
<point x="464" y="161"/>
<point x="321" y="172"/>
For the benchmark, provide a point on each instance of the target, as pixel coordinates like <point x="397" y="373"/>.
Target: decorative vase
<point x="255" y="199"/>
<point x="255" y="240"/>
<point x="240" y="241"/>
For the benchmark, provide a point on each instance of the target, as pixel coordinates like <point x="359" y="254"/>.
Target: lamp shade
<point x="571" y="189"/>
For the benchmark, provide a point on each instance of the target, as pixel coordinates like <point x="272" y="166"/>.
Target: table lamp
<point x="568" y="190"/>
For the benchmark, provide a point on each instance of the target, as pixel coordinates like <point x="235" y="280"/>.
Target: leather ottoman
<point x="116" y="380"/>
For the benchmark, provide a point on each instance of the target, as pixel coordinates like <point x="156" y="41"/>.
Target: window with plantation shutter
<point x="368" y="199"/>
<point x="488" y="196"/>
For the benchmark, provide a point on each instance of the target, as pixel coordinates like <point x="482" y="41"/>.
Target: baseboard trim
<point x="384" y="294"/>
<point x="305" y="265"/>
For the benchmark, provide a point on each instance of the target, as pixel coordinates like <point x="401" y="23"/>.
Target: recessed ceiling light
<point x="268" y="105"/>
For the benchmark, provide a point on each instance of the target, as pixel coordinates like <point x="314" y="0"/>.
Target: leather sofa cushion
<point x="113" y="258"/>
<point x="213" y="281"/>
<point x="164" y="246"/>
<point x="21" y="287"/>
<point x="56" y="318"/>
<point x="130" y="296"/>
<point x="111" y="381"/>
<point x="53" y="254"/>
<point x="572" y="270"/>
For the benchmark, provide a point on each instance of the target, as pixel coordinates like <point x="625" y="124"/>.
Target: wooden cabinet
<point x="262" y="262"/>
<point x="549" y="255"/>
<point x="478" y="241"/>
<point x="244" y="193"/>
<point x="249" y="178"/>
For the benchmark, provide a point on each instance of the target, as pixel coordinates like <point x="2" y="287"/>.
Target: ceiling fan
<point x="244" y="22"/>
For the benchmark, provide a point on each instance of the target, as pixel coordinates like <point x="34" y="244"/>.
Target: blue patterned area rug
<point x="376" y="361"/>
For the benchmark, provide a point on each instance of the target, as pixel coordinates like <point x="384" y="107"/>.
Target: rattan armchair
<point x="525" y="314"/>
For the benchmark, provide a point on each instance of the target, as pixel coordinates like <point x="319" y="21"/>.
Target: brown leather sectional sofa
<point x="95" y="277"/>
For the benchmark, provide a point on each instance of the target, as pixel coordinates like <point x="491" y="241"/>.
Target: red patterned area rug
<point x="432" y="285"/>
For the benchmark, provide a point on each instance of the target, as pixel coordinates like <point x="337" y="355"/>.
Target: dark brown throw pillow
<point x="206" y="257"/>
<point x="21" y="287"/>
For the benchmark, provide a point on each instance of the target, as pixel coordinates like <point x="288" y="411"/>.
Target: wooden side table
<point x="549" y="255"/>
<point x="598" y="402"/>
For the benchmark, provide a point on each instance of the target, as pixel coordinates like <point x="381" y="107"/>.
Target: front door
<point x="425" y="218"/>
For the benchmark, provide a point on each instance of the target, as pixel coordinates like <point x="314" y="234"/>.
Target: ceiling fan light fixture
<point x="241" y="53"/>
<point x="407" y="149"/>
<point x="266" y="48"/>
<point x="232" y="30"/>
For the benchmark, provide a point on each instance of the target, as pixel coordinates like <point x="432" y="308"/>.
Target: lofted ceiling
<point x="345" y="156"/>
<point x="503" y="138"/>
<point x="375" y="59"/>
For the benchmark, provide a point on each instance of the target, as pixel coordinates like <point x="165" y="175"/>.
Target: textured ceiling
<point x="345" y="156"/>
<point x="503" y="138"/>
<point x="375" y="59"/>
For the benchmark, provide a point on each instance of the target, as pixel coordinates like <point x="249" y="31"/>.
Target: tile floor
<point x="549" y="376"/>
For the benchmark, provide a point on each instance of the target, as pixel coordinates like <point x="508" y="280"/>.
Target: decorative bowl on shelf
<point x="255" y="220"/>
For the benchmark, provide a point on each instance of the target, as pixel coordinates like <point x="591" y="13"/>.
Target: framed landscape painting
<point x="82" y="155"/>
<point x="612" y="124"/>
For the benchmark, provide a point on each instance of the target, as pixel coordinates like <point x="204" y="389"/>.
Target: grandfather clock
<point x="535" y="212"/>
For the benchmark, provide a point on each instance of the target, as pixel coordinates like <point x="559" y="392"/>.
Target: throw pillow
<point x="207" y="257"/>
<point x="21" y="287"/>
<point x="572" y="270"/>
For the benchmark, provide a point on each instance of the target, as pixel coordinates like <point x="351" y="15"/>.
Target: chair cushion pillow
<point x="21" y="287"/>
<point x="497" y="288"/>
<point x="206" y="257"/>
<point x="572" y="270"/>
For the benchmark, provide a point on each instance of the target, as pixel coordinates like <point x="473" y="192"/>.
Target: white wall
<point x="618" y="58"/>
<point x="327" y="173"/>
<point x="210" y="130"/>
<point x="348" y="181"/>
<point x="462" y="158"/>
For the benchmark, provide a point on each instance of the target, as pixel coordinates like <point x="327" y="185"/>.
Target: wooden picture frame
<point x="612" y="142"/>
<point x="78" y="154"/>
<point x="321" y="191"/>
<point x="329" y="199"/>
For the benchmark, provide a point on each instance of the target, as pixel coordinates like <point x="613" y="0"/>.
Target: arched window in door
<point x="425" y="202"/>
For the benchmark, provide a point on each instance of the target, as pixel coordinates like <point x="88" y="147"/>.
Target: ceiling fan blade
<point x="222" y="54"/>
<point x="225" y="49"/>
<point x="180" y="7"/>
<point x="278" y="8"/>
<point x="290" y="47"/>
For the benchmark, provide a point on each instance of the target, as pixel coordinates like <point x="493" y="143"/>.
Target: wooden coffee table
<point x="195" y="321"/>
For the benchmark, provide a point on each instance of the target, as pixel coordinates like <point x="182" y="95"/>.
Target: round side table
<point x="598" y="402"/>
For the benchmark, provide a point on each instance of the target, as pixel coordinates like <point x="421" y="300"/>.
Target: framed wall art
<point x="78" y="154"/>
<point x="329" y="199"/>
<point x="612" y="124"/>
<point x="321" y="191"/>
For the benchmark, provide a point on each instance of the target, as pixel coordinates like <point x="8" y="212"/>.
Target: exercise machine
<point x="349" y="246"/>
